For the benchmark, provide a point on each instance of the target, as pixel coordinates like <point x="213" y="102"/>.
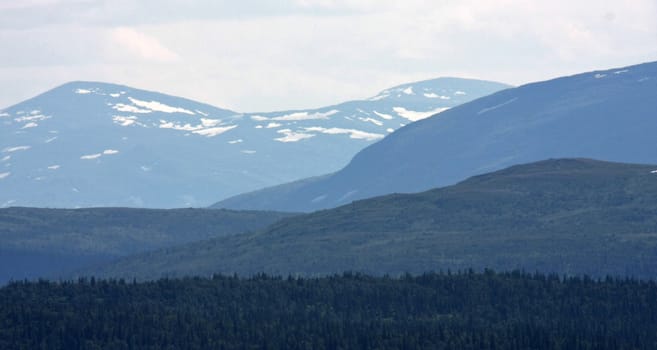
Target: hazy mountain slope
<point x="569" y="216"/>
<point x="610" y="115"/>
<point x="89" y="144"/>
<point x="50" y="242"/>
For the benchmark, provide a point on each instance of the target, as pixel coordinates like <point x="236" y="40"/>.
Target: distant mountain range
<point x="87" y="144"/>
<point x="607" y="115"/>
<point x="569" y="216"/>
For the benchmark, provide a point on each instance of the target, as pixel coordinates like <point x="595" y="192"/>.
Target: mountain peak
<point x="608" y="115"/>
<point x="157" y="150"/>
<point x="442" y="88"/>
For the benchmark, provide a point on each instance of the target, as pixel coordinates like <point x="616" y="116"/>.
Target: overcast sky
<point x="266" y="55"/>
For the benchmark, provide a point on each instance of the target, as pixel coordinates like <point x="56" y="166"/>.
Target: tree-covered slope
<point x="433" y="311"/>
<point x="36" y="242"/>
<point x="571" y="216"/>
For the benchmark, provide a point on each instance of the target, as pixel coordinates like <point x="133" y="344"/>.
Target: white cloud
<point x="23" y="4"/>
<point x="128" y="41"/>
<point x="256" y="58"/>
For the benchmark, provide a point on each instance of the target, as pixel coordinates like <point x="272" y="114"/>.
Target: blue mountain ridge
<point x="90" y="144"/>
<point x="607" y="115"/>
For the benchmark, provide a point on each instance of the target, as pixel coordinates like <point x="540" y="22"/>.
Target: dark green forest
<point x="465" y="310"/>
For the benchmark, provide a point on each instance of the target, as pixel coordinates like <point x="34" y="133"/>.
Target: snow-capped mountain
<point x="95" y="144"/>
<point x="607" y="115"/>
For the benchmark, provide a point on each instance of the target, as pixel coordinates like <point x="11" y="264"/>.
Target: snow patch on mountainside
<point x="130" y="109"/>
<point x="206" y="128"/>
<point x="318" y="198"/>
<point x="353" y="133"/>
<point x="372" y="120"/>
<point x="383" y="115"/>
<point x="172" y="125"/>
<point x="32" y="118"/>
<point x="291" y="136"/>
<point x="210" y="132"/>
<point x="159" y="107"/>
<point x="16" y="148"/>
<point x="497" y="106"/>
<point x="91" y="156"/>
<point x="210" y="122"/>
<point x="305" y="116"/>
<point x="415" y="115"/>
<point x="435" y="95"/>
<point x="347" y="195"/>
<point x="124" y="121"/>
<point x="4" y="175"/>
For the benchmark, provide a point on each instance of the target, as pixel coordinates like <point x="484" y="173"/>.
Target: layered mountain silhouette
<point x="88" y="144"/>
<point x="607" y="115"/>
<point x="568" y="216"/>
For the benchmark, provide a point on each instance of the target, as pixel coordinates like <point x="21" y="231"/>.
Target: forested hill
<point x="39" y="242"/>
<point x="571" y="216"/>
<point x="433" y="311"/>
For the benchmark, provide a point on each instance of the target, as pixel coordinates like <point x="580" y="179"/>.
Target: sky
<point x="267" y="55"/>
